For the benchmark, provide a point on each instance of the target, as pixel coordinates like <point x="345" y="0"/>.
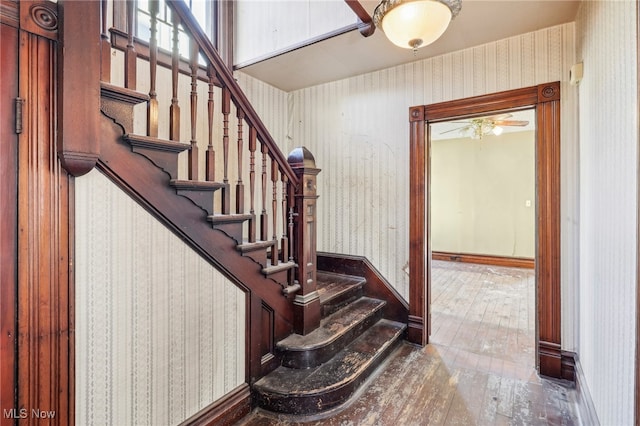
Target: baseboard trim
<point x="482" y="259"/>
<point x="586" y="409"/>
<point x="226" y="411"/>
<point x="568" y="367"/>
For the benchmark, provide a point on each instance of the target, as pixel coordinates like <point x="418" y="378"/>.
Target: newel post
<point x="79" y="47"/>
<point x="306" y="305"/>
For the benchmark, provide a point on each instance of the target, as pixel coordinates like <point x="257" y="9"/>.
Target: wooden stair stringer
<point x="149" y="186"/>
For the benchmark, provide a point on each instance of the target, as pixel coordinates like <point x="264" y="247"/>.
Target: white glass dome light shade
<point x="415" y="24"/>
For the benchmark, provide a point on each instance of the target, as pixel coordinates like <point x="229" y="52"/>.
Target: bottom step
<point x="309" y="391"/>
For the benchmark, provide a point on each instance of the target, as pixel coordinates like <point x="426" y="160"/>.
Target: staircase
<point x="348" y="318"/>
<point x="324" y="368"/>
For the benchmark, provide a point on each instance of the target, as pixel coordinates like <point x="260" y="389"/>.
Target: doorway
<point x="545" y="100"/>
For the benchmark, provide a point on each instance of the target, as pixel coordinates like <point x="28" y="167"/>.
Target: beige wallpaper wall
<point x="607" y="43"/>
<point x="159" y="332"/>
<point x="479" y="194"/>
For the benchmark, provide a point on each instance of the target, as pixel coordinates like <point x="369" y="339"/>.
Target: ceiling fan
<point x="476" y="128"/>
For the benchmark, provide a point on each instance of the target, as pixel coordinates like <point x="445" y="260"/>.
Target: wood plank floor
<point x="478" y="369"/>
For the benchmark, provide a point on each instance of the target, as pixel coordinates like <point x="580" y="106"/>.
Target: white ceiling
<point x="479" y="22"/>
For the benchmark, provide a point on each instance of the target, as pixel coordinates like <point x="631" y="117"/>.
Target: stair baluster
<point x="264" y="220"/>
<point x="226" y="109"/>
<point x="210" y="160"/>
<point x="174" y="109"/>
<point x="193" y="152"/>
<point x="130" y="55"/>
<point x="240" y="184"/>
<point x="252" y="183"/>
<point x="152" y="105"/>
<point x="105" y="45"/>
<point x="274" y="211"/>
<point x="284" y="241"/>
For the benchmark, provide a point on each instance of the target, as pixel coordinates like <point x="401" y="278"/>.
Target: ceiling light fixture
<point x="415" y="23"/>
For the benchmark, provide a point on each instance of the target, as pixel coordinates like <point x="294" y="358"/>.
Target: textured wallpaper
<point x="607" y="43"/>
<point x="159" y="332"/>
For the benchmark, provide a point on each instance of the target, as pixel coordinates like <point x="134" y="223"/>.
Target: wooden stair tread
<point x="332" y="285"/>
<point x="334" y="326"/>
<point x="307" y="391"/>
<point x="122" y="94"/>
<point x="196" y="185"/>
<point x="246" y="246"/>
<point x="158" y="144"/>
<point x="228" y="218"/>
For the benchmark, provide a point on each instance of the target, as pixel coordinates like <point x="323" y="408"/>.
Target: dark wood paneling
<point x="483" y="259"/>
<point x="545" y="99"/>
<point x="226" y="411"/>
<point x="377" y="286"/>
<point x="9" y="218"/>
<point x="45" y="340"/>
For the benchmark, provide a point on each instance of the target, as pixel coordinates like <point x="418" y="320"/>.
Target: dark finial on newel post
<point x="306" y="304"/>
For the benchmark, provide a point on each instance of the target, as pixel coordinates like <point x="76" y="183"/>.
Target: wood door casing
<point x="545" y="98"/>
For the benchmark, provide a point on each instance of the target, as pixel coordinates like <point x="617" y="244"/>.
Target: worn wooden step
<point x="230" y="224"/>
<point x="200" y="192"/>
<point x="337" y="290"/>
<point x="161" y="152"/>
<point x="310" y="391"/>
<point x="333" y="334"/>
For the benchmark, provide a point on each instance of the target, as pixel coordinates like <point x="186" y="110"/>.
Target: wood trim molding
<point x="9" y="42"/>
<point x="225" y="411"/>
<point x="569" y="360"/>
<point x="484" y="259"/>
<point x="45" y="305"/>
<point x="545" y="98"/>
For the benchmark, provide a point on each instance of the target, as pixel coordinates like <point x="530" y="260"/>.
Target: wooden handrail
<point x="225" y="76"/>
<point x="367" y="28"/>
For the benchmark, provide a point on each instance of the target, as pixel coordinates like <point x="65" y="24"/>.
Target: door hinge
<point x="19" y="105"/>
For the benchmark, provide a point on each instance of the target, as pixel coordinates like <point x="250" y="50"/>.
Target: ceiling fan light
<point x="497" y="130"/>
<point x="415" y="23"/>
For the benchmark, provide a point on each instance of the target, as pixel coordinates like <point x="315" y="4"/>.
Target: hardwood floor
<point x="479" y="368"/>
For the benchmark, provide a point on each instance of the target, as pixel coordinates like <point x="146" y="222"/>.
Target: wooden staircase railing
<point x="228" y="127"/>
